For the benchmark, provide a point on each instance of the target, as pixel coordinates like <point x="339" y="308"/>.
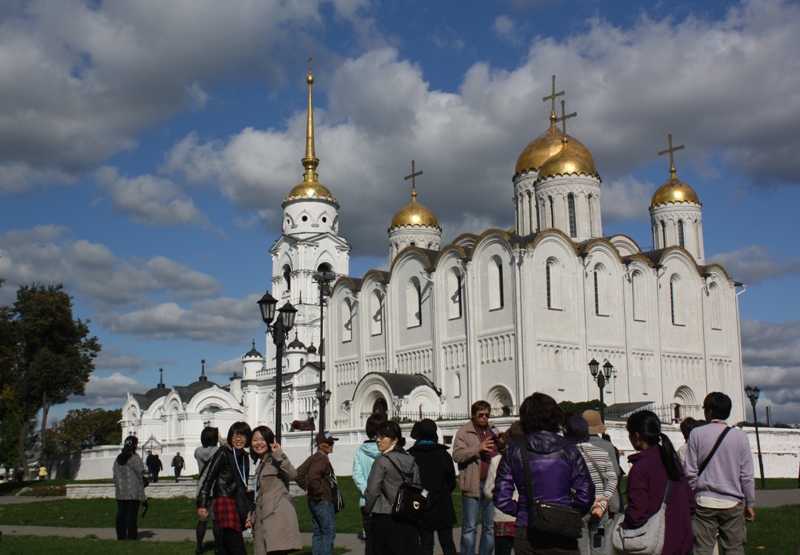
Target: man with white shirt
<point x="722" y="480"/>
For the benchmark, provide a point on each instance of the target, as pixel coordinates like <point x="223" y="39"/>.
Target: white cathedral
<point x="493" y="316"/>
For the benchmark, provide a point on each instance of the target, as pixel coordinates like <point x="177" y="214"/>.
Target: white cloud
<point x="754" y="263"/>
<point x="505" y="28"/>
<point x="626" y="199"/>
<point x="111" y="391"/>
<point x="149" y="200"/>
<point x="226" y="367"/>
<point x="114" y="358"/>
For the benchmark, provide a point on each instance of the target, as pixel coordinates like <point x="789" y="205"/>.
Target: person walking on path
<point x="274" y="520"/>
<point x="362" y="465"/>
<point x="314" y="476"/>
<point x="154" y="466"/>
<point x="654" y="467"/>
<point x="438" y="476"/>
<point x="596" y="529"/>
<point x="503" y="523"/>
<point x="42" y="473"/>
<point x="178" y="464"/>
<point x="209" y="439"/>
<point x="225" y="485"/>
<point x="558" y="475"/>
<point x="616" y="506"/>
<point x="392" y="535"/>
<point x="722" y="480"/>
<point x="128" y="473"/>
<point x="473" y="448"/>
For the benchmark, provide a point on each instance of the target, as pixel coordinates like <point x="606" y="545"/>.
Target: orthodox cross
<point x="412" y="177"/>
<point x="564" y="116"/>
<point x="161" y="375"/>
<point x="203" y="368"/>
<point x="671" y="149"/>
<point x="309" y="63"/>
<point x="552" y="97"/>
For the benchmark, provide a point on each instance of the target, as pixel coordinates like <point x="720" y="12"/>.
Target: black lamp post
<point x="324" y="279"/>
<point x="602" y="379"/>
<point x="280" y="331"/>
<point x="752" y="394"/>
<point x="311" y="418"/>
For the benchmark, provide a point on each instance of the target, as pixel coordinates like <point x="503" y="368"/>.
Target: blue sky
<point x="145" y="149"/>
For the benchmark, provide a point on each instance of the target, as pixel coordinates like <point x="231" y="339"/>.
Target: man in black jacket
<point x="178" y="464"/>
<point x="154" y="465"/>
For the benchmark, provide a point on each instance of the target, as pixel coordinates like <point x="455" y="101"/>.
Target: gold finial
<point x="412" y="177"/>
<point x="310" y="162"/>
<point x="564" y="117"/>
<point x="671" y="149"/>
<point x="552" y="99"/>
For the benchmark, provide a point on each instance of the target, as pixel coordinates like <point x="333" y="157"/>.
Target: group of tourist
<point x="549" y="484"/>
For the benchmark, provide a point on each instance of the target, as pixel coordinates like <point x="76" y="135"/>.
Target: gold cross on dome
<point x="671" y="149"/>
<point x="552" y="97"/>
<point x="564" y="116"/>
<point x="412" y="177"/>
<point x="309" y="63"/>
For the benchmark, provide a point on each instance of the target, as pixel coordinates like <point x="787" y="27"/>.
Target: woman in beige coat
<point x="274" y="520"/>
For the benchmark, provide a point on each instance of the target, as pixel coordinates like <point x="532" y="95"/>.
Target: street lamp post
<point x="752" y="394"/>
<point x="312" y="418"/>
<point x="280" y="331"/>
<point x="602" y="378"/>
<point x="323" y="278"/>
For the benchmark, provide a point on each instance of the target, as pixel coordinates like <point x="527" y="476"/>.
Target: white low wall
<point x="780" y="449"/>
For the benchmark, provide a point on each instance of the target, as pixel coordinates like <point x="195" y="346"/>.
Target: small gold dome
<point x="414" y="214"/>
<point x="310" y="189"/>
<point x="545" y="146"/>
<point x="569" y="161"/>
<point x="674" y="190"/>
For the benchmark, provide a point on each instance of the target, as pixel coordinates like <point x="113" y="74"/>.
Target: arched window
<point x="495" y="271"/>
<point x="600" y="291"/>
<point x="347" y="321"/>
<point x="454" y="294"/>
<point x="287" y="277"/>
<point x="713" y="297"/>
<point x="676" y="300"/>
<point x="552" y="212"/>
<point x="413" y="303"/>
<point x="637" y="294"/>
<point x="592" y="222"/>
<point x="681" y="242"/>
<point x="573" y="228"/>
<point x="552" y="275"/>
<point x="457" y="385"/>
<point x="376" y="319"/>
<point x="663" y="234"/>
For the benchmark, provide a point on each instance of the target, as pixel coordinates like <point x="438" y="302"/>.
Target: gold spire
<point x="673" y="190"/>
<point x="310" y="187"/>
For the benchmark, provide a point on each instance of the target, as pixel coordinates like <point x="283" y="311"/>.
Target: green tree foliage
<point x="87" y="428"/>
<point x="46" y="356"/>
<point x="578" y="408"/>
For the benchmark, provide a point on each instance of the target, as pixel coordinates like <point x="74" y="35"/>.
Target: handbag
<point x="551" y="518"/>
<point x="648" y="539"/>
<point x="338" y="499"/>
<point x="145" y="481"/>
<point x="411" y="500"/>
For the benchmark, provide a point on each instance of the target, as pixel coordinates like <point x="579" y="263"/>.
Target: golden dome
<point x="569" y="161"/>
<point x="414" y="214"/>
<point x="674" y="190"/>
<point x="310" y="189"/>
<point x="545" y="146"/>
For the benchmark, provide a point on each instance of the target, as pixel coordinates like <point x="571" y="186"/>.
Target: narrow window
<point x="377" y="314"/>
<point x="413" y="303"/>
<point x="287" y="277"/>
<point x="549" y="289"/>
<point x="347" y="321"/>
<point x="553" y="284"/>
<point x="454" y="291"/>
<point x="680" y="234"/>
<point x="596" y="293"/>
<point x="573" y="229"/>
<point x="600" y="290"/>
<point x="713" y="295"/>
<point x="552" y="213"/>
<point x="637" y="294"/>
<point x="495" y="283"/>
<point x="672" y="301"/>
<point x="676" y="300"/>
<point x="663" y="235"/>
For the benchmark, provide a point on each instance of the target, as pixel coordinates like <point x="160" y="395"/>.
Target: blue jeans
<point x="322" y="520"/>
<point x="470" y="507"/>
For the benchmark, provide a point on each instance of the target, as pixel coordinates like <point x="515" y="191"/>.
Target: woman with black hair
<point x="209" y="438"/>
<point x="226" y="483"/>
<point x="128" y="475"/>
<point x="392" y="535"/>
<point x="654" y="467"/>
<point x="274" y="520"/>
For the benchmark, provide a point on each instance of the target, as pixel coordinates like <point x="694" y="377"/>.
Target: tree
<point x="578" y="408"/>
<point x="46" y="354"/>
<point x="87" y="428"/>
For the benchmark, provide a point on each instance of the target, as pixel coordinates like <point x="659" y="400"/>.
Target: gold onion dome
<point x="569" y="161"/>
<point x="545" y="146"/>
<point x="414" y="214"/>
<point x="674" y="190"/>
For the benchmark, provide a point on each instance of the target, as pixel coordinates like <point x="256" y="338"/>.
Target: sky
<point x="146" y="147"/>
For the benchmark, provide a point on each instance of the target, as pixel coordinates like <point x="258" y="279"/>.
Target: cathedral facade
<point x="498" y="314"/>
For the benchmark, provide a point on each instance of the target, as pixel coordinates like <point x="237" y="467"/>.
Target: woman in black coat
<point x="438" y="476"/>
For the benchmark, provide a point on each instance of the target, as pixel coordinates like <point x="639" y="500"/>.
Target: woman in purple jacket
<point x="558" y="474"/>
<point x="655" y="464"/>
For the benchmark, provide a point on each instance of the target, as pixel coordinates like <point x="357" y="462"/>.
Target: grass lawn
<point x="774" y="531"/>
<point x="32" y="545"/>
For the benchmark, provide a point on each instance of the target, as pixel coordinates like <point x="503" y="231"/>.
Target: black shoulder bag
<point x="551" y="518"/>
<point x="336" y="495"/>
<point x="411" y="500"/>
<point x="704" y="464"/>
